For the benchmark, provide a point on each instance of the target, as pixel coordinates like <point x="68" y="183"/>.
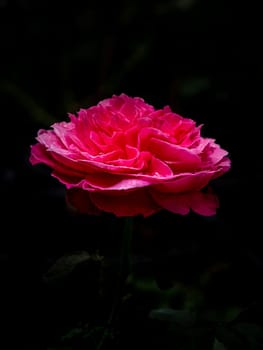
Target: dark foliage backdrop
<point x="204" y="59"/>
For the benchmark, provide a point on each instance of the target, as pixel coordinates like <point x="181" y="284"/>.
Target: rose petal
<point x="201" y="203"/>
<point x="204" y="204"/>
<point x="174" y="154"/>
<point x="185" y="182"/>
<point x="133" y="203"/>
<point x="79" y="200"/>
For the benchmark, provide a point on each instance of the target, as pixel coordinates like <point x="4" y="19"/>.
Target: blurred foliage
<point x="196" y="282"/>
<point x="64" y="58"/>
<point x="161" y="318"/>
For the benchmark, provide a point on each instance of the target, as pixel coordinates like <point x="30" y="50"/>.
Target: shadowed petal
<point x="126" y="204"/>
<point x="199" y="202"/>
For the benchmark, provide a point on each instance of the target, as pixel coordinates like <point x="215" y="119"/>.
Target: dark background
<point x="204" y="59"/>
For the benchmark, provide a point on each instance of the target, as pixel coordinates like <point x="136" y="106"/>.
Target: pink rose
<point x="123" y="156"/>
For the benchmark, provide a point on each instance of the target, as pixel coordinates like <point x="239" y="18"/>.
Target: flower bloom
<point x="125" y="157"/>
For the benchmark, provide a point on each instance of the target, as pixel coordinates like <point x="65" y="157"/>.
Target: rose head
<point x="123" y="156"/>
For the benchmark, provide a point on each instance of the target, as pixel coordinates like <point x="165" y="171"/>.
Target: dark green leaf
<point x="66" y="264"/>
<point x="195" y="85"/>
<point x="181" y="317"/>
<point x="218" y="345"/>
<point x="230" y="338"/>
<point x="73" y="333"/>
<point x="253" y="334"/>
<point x="250" y="329"/>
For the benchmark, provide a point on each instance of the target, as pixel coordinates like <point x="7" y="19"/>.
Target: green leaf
<point x="35" y="111"/>
<point x="230" y="338"/>
<point x="193" y="86"/>
<point x="180" y="317"/>
<point x="88" y="336"/>
<point x="250" y="329"/>
<point x="218" y="345"/>
<point x="66" y="264"/>
<point x="73" y="333"/>
<point x="252" y="332"/>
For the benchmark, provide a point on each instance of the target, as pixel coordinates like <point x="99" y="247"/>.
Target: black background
<point x="202" y="58"/>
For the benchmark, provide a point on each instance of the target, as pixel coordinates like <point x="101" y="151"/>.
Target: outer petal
<point x="133" y="203"/>
<point x="39" y="154"/>
<point x="102" y="182"/>
<point x="185" y="182"/>
<point x="223" y="167"/>
<point x="204" y="203"/>
<point x="79" y="200"/>
<point x="200" y="202"/>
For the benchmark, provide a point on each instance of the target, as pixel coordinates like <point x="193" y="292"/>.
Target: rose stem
<point x="125" y="270"/>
